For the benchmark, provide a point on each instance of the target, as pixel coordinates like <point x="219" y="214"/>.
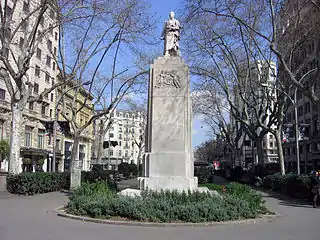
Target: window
<point x="24" y="25"/>
<point x="21" y="42"/>
<point x="120" y="143"/>
<point x="1" y="130"/>
<point x="2" y="94"/>
<point x="38" y="53"/>
<point x="42" y="21"/>
<point x="50" y="29"/>
<point x="36" y="88"/>
<point x="51" y="97"/>
<point x="120" y="136"/>
<point x="43" y="109"/>
<point x="28" y="136"/>
<point x="40" y="36"/>
<point x="37" y="71"/>
<point x="271" y="144"/>
<point x="120" y="154"/>
<point x="51" y="13"/>
<point x="56" y="36"/>
<point x="47" y="77"/>
<point x="51" y="112"/>
<point x="53" y="66"/>
<point x="49" y="45"/>
<point x="55" y="51"/>
<point x="5" y="52"/>
<point x="48" y="61"/>
<point x="126" y="154"/>
<point x="120" y="129"/>
<point x="7" y="32"/>
<point x="308" y="107"/>
<point x="300" y="111"/>
<point x="111" y="135"/>
<point x="8" y="12"/>
<point x="25" y="7"/>
<point x="31" y="105"/>
<point x="40" y="138"/>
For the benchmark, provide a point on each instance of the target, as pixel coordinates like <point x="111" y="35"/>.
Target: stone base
<point x="168" y="183"/>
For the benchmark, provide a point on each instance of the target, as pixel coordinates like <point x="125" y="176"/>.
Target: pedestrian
<point x="315" y="189"/>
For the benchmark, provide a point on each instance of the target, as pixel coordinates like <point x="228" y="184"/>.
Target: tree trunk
<point x="100" y="144"/>
<point x="75" y="173"/>
<point x="280" y="150"/>
<point x="15" y="144"/>
<point x="260" y="151"/>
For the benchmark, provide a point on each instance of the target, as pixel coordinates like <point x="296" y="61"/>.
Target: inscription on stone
<point x="166" y="78"/>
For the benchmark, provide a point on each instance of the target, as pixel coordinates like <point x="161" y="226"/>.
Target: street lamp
<point x="295" y="104"/>
<point x="55" y="123"/>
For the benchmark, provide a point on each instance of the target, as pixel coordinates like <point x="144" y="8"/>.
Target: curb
<point x="61" y="213"/>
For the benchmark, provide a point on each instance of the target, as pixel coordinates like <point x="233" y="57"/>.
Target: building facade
<point x="261" y="73"/>
<point x="126" y="136"/>
<point x="37" y="143"/>
<point x="66" y="96"/>
<point x="302" y="39"/>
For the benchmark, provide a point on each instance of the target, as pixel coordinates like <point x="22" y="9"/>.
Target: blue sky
<point x="161" y="8"/>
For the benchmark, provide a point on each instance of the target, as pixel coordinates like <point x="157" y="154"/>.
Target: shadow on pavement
<point x="286" y="200"/>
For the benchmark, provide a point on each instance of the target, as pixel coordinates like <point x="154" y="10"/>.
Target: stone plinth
<point x="168" y="162"/>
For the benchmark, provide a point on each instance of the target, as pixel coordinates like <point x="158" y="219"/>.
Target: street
<point x="32" y="218"/>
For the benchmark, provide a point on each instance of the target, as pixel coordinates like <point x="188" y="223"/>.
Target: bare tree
<point x="207" y="151"/>
<point x="21" y="31"/>
<point x="106" y="35"/>
<point x="216" y="112"/>
<point x="235" y="65"/>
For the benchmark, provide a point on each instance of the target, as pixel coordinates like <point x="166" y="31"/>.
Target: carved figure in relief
<point x="171" y="36"/>
<point x="167" y="78"/>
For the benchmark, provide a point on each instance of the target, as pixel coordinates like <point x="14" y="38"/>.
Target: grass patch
<point x="98" y="201"/>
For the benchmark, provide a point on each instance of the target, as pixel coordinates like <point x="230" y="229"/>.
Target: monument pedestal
<point x="168" y="162"/>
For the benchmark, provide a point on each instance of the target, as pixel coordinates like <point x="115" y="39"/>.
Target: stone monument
<point x="168" y="162"/>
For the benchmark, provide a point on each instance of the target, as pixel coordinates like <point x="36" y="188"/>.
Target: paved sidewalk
<point x="31" y="218"/>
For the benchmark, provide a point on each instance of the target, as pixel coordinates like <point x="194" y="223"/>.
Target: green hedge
<point x="30" y="183"/>
<point x="97" y="201"/>
<point x="203" y="174"/>
<point x="240" y="191"/>
<point x="293" y="185"/>
<point x="128" y="170"/>
<point x="37" y="182"/>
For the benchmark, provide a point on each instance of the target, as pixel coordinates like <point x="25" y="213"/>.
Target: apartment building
<point x="65" y="134"/>
<point x="303" y="40"/>
<point x="261" y="73"/>
<point x="37" y="143"/>
<point x="126" y="137"/>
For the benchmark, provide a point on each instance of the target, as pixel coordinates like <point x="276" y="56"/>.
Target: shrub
<point x="128" y="170"/>
<point x="95" y="200"/>
<point x="26" y="161"/>
<point x="203" y="174"/>
<point x="42" y="182"/>
<point x="291" y="184"/>
<point x="37" y="182"/>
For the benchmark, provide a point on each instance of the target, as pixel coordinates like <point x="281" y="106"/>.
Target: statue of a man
<point x="171" y="36"/>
